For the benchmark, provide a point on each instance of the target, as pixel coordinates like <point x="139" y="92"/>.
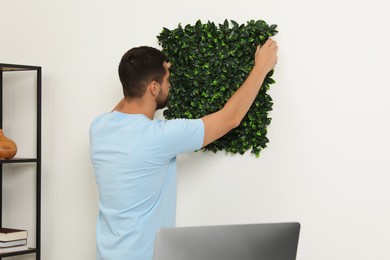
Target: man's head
<point x="141" y="66"/>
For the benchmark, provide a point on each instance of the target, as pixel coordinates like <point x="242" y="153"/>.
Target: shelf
<point x="24" y="252"/>
<point x="14" y="67"/>
<point x="19" y="160"/>
<point x="35" y="159"/>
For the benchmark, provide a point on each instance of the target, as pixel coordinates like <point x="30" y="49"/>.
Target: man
<point x="134" y="155"/>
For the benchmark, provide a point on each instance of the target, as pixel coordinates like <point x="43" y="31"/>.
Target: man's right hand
<point x="265" y="56"/>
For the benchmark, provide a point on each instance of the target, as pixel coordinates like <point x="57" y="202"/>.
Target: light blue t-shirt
<point x="135" y="167"/>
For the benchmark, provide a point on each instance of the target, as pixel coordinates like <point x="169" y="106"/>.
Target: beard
<point x="161" y="100"/>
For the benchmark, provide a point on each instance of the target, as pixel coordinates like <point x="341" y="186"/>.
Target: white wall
<point x="327" y="162"/>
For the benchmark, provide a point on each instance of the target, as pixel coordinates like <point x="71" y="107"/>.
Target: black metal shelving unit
<point x="36" y="161"/>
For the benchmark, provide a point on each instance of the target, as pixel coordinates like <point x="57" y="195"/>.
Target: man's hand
<point x="265" y="56"/>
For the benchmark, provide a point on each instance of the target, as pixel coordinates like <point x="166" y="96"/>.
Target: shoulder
<point x="98" y="119"/>
<point x="180" y="124"/>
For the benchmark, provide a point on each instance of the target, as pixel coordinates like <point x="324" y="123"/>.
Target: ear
<point x="154" y="88"/>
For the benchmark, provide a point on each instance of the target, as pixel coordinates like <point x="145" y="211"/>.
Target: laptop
<point x="267" y="241"/>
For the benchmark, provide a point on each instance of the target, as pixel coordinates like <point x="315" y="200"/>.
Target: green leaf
<point x="209" y="63"/>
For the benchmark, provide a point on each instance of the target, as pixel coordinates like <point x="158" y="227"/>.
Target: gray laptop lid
<point x="270" y="241"/>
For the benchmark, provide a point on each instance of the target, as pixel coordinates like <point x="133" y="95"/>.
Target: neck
<point x="138" y="106"/>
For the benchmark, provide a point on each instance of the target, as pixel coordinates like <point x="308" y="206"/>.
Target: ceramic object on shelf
<point x="8" y="147"/>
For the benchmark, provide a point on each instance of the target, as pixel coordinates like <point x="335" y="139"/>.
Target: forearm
<point x="219" y="123"/>
<point x="241" y="101"/>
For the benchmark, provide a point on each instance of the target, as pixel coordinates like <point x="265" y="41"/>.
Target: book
<point x="13" y="243"/>
<point x="13" y="249"/>
<point x="9" y="234"/>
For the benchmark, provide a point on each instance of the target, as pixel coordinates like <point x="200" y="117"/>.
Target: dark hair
<point x="138" y="67"/>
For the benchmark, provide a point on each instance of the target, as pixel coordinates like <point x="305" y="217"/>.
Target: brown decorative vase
<point x="8" y="147"/>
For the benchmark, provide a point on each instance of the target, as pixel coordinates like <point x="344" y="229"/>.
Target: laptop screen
<point x="276" y="241"/>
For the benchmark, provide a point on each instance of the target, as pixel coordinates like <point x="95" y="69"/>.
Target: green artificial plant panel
<point x="209" y="63"/>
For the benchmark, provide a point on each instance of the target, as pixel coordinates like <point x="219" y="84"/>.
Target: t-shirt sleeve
<point x="183" y="135"/>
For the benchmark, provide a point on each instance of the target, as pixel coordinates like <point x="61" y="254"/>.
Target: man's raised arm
<point x="230" y="116"/>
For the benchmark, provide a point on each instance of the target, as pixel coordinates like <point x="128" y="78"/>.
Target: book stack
<point x="12" y="240"/>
